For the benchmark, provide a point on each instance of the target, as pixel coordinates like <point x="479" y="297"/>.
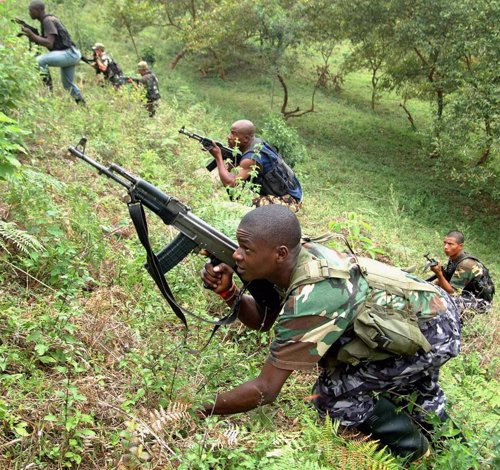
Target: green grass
<point x="364" y="161"/>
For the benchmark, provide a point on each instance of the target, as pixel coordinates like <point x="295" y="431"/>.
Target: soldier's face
<point x="452" y="247"/>
<point x="238" y="138"/>
<point x="34" y="12"/>
<point x="254" y="257"/>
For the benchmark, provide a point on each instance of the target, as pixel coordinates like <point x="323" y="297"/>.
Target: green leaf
<point x="41" y="348"/>
<point x="47" y="360"/>
<point x="20" y="429"/>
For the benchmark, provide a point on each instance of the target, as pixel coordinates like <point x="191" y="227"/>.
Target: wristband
<point x="229" y="293"/>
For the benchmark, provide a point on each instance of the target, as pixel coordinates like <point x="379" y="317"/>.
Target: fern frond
<point x="162" y="418"/>
<point x="20" y="238"/>
<point x="354" y="453"/>
<point x="42" y="180"/>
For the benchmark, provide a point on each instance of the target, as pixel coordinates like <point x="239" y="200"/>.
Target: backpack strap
<point x="310" y="270"/>
<point x="452" y="266"/>
<point x="391" y="279"/>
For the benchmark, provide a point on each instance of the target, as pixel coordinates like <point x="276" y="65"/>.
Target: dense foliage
<point x="93" y="370"/>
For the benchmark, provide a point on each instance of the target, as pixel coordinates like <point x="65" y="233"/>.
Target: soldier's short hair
<point x="37" y="4"/>
<point x="274" y="223"/>
<point x="457" y="235"/>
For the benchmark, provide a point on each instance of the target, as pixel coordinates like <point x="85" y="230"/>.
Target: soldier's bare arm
<point x="227" y="178"/>
<point x="260" y="391"/>
<point x="440" y="279"/>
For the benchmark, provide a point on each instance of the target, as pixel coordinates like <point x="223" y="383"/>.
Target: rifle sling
<point x="138" y="217"/>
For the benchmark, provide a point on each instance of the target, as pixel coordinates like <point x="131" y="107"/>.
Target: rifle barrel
<point x="102" y="169"/>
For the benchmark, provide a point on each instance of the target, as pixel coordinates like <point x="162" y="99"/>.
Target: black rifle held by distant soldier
<point x="227" y="153"/>
<point x="89" y="60"/>
<point x="26" y="25"/>
<point x="431" y="262"/>
<point x="195" y="235"/>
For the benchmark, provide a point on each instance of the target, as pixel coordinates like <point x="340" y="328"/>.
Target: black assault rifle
<point x="88" y="60"/>
<point x="26" y="25"/>
<point x="227" y="153"/>
<point x="195" y="235"/>
<point x="431" y="262"/>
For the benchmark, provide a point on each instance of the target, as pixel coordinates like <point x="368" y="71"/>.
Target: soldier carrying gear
<point x="63" y="52"/>
<point x="105" y="64"/>
<point x="150" y="82"/>
<point x="277" y="181"/>
<point x="464" y="276"/>
<point x="370" y="327"/>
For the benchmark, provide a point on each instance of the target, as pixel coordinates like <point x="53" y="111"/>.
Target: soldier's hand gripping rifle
<point x="431" y="262"/>
<point x="27" y="26"/>
<point x="195" y="235"/>
<point x="206" y="142"/>
<point x="89" y="60"/>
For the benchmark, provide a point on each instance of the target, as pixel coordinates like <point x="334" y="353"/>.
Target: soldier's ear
<point x="282" y="253"/>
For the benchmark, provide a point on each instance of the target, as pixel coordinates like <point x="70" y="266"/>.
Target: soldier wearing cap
<point x="150" y="82"/>
<point x="104" y="64"/>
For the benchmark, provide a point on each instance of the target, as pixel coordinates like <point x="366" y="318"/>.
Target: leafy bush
<point x="18" y="74"/>
<point x="285" y="138"/>
<point x="10" y="145"/>
<point x="18" y="79"/>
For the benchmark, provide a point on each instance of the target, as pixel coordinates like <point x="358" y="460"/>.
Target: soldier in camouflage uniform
<point x="105" y="64"/>
<point x="150" y="82"/>
<point x="460" y="273"/>
<point x="315" y="321"/>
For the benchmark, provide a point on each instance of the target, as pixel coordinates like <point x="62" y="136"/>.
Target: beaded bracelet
<point x="229" y="293"/>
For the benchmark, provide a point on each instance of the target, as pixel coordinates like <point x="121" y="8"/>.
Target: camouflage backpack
<point x="381" y="331"/>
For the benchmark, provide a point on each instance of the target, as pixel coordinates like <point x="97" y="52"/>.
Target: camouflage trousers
<point x="347" y="392"/>
<point x="468" y="306"/>
<point x="285" y="200"/>
<point x="152" y="106"/>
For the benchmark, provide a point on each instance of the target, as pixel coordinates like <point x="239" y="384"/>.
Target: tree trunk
<point x="133" y="40"/>
<point x="296" y="112"/>
<point x="285" y="97"/>
<point x="440" y="102"/>
<point x="408" y="115"/>
<point x="178" y="57"/>
<point x="374" y="89"/>
<point x="486" y="151"/>
<point x="218" y="62"/>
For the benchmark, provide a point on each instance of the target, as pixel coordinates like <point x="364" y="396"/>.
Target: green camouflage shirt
<point x="150" y="82"/>
<point x="466" y="271"/>
<point x="315" y="316"/>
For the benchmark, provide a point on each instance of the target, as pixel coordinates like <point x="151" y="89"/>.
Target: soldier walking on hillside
<point x="63" y="52"/>
<point x="150" y="82"/>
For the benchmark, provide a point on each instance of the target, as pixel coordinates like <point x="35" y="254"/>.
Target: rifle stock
<point x="195" y="234"/>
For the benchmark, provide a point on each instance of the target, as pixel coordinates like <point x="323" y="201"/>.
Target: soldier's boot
<point x="47" y="79"/>
<point x="395" y="430"/>
<point x="80" y="100"/>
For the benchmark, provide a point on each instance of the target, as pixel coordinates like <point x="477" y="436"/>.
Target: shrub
<point x="285" y="138"/>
